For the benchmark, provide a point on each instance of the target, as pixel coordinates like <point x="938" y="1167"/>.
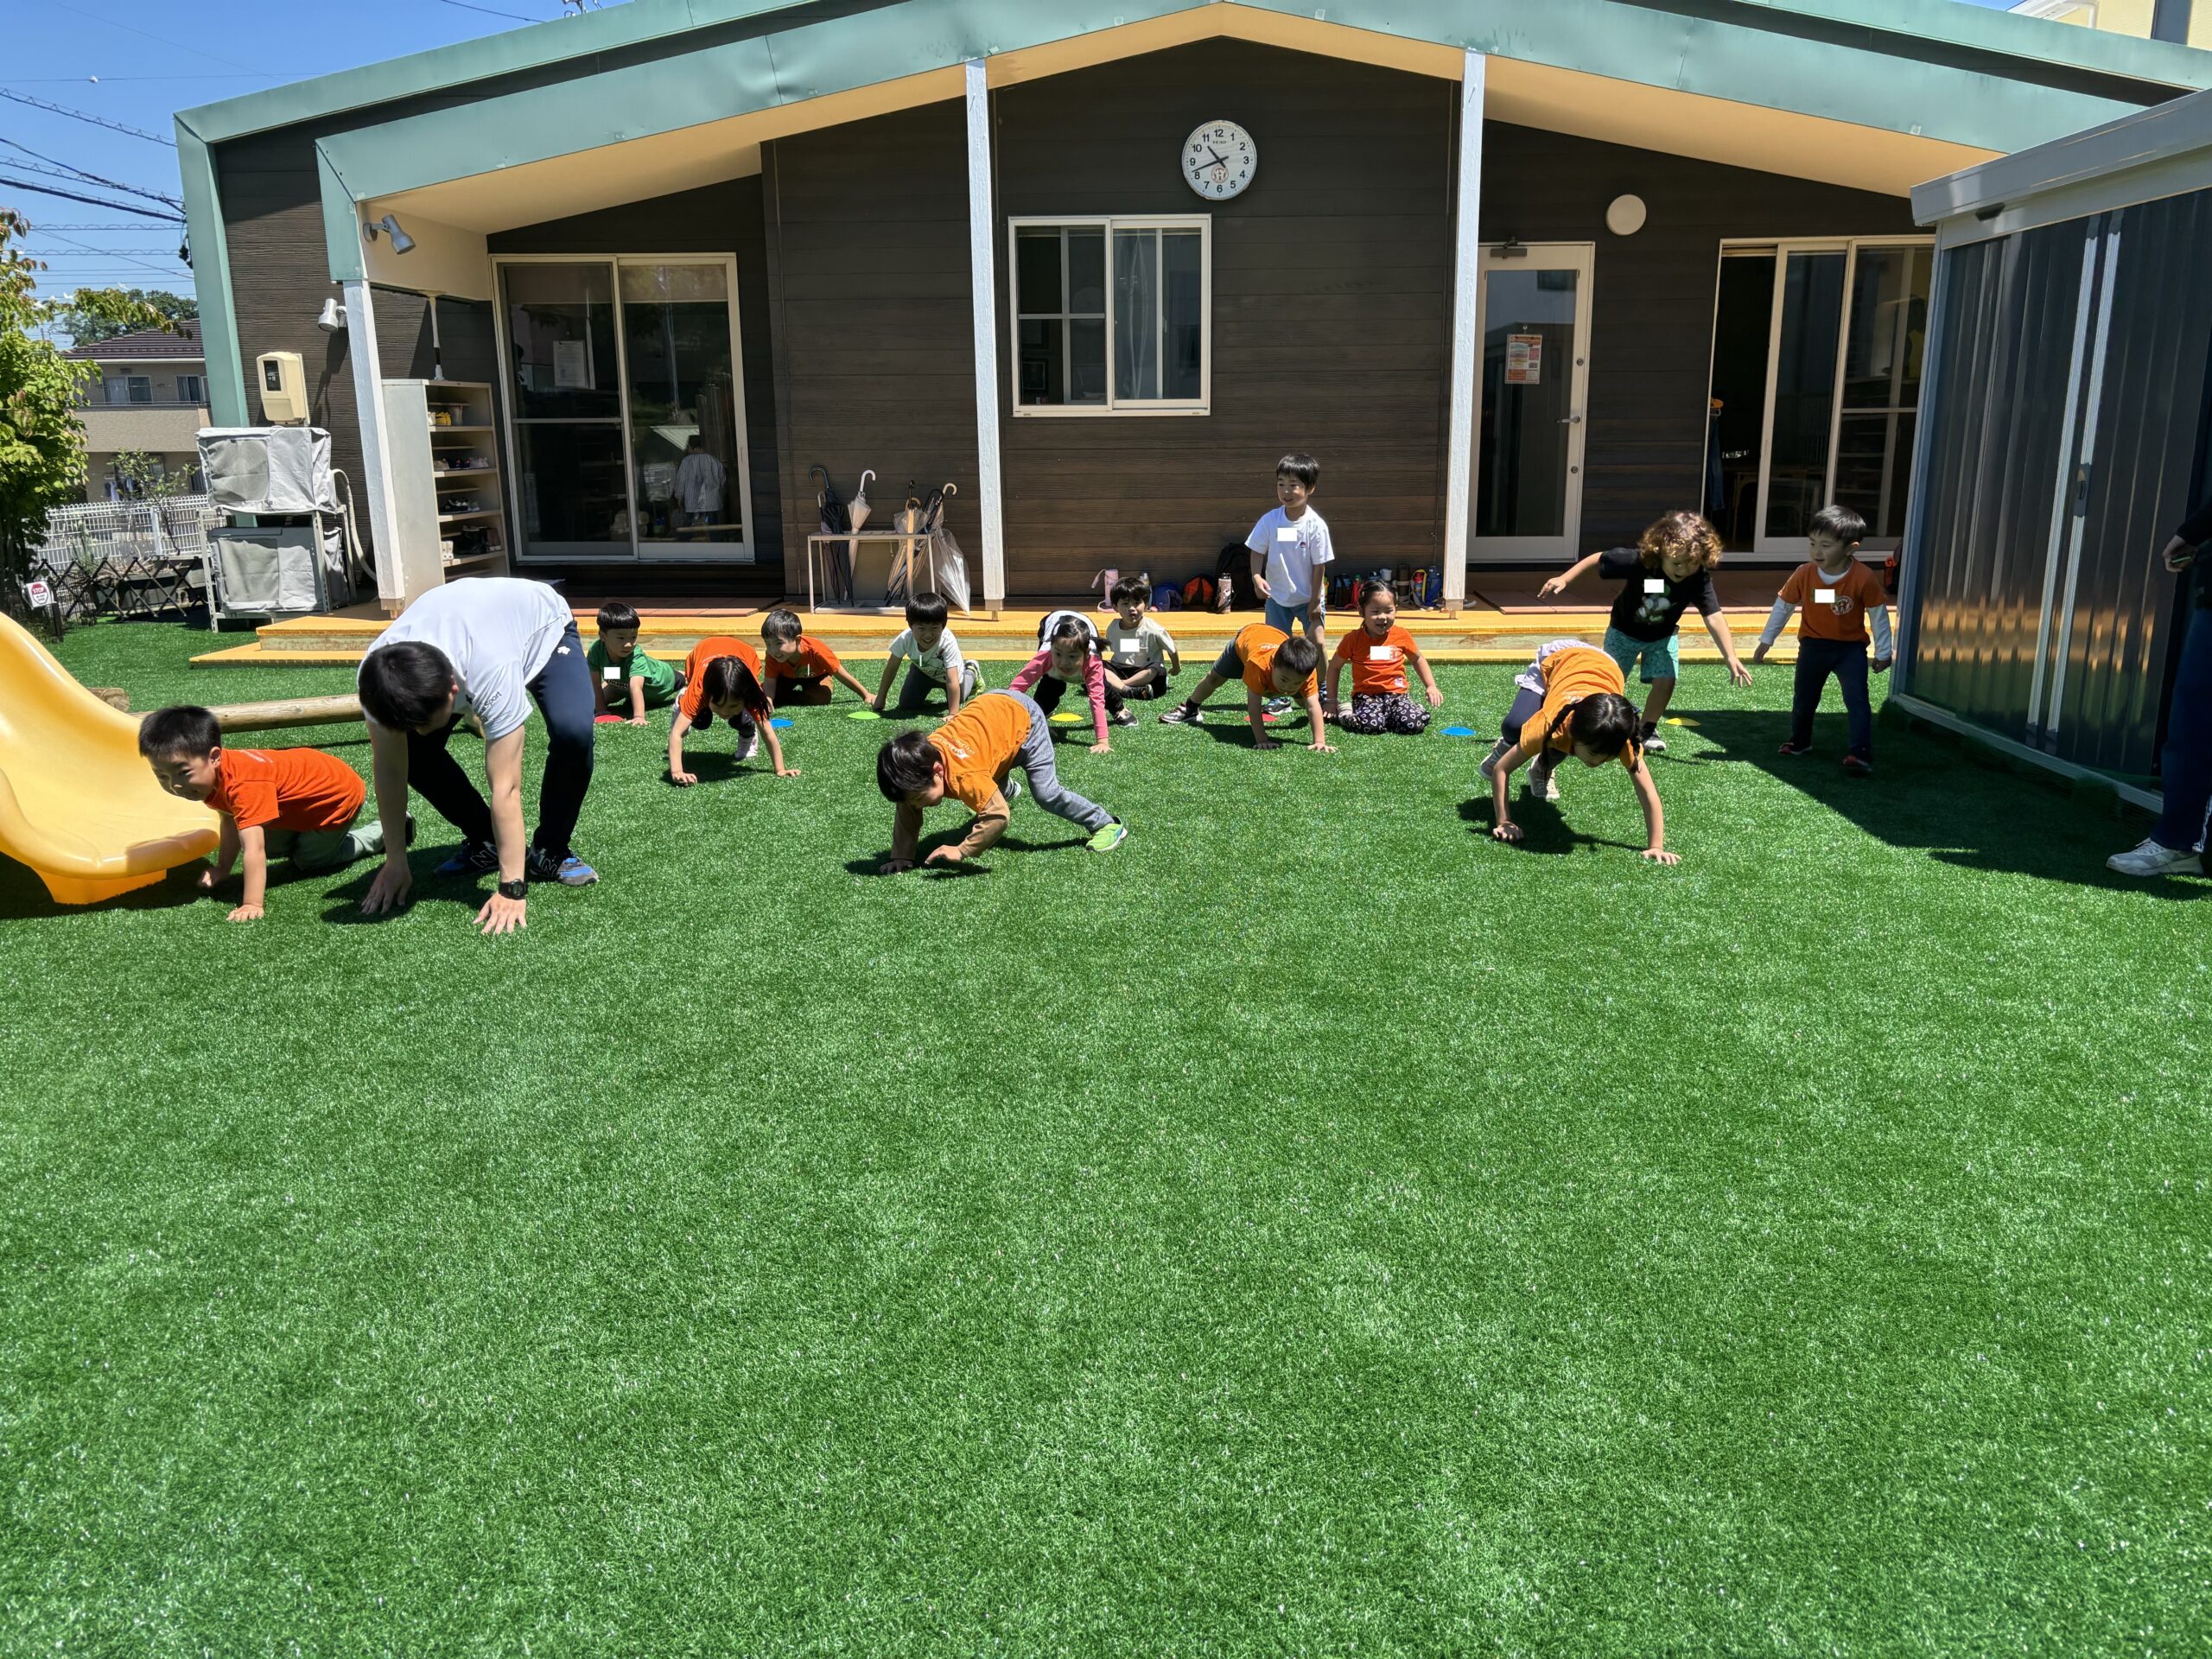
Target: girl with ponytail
<point x="1571" y="700"/>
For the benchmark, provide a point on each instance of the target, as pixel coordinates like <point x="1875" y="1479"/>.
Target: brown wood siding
<point x="720" y="218"/>
<point x="1331" y="302"/>
<point x="1651" y="306"/>
<point x="867" y="227"/>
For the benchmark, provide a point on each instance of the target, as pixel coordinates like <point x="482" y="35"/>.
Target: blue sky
<point x="137" y="62"/>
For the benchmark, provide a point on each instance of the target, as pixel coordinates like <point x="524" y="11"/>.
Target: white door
<point x="1532" y="318"/>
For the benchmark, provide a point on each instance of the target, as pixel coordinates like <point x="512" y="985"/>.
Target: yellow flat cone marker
<point x="1676" y="720"/>
<point x="1062" y="718"/>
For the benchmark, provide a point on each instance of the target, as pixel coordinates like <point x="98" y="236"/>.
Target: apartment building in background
<point x="2183" y="22"/>
<point x="151" y="396"/>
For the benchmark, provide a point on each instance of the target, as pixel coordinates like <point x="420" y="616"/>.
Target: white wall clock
<point x="1219" y="159"/>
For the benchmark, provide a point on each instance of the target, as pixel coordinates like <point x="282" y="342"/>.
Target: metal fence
<point x="127" y="558"/>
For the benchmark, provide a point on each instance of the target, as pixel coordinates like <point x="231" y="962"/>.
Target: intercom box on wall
<point x="283" y="389"/>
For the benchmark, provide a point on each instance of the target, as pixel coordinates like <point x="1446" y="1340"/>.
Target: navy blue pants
<point x="2186" y="771"/>
<point x="563" y="695"/>
<point x="1816" y="660"/>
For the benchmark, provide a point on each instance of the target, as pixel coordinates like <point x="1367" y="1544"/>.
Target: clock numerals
<point x="1220" y="160"/>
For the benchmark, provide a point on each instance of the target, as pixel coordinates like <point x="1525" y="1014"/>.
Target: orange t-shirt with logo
<point x="1378" y="666"/>
<point x="979" y="745"/>
<point x="1570" y="676"/>
<point x="693" y="700"/>
<point x="1842" y="619"/>
<point x="815" y="661"/>
<point x="1257" y="644"/>
<point x="287" y="789"/>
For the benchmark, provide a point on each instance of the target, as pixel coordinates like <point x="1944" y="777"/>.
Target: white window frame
<point x="641" y="551"/>
<point x="1763" y="545"/>
<point x="1110" y="224"/>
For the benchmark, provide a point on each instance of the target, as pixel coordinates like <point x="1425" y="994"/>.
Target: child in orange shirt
<point x="1272" y="665"/>
<point x="968" y="757"/>
<point x="1377" y="651"/>
<point x="1573" y="700"/>
<point x="1841" y="597"/>
<point x="800" y="667"/>
<point x="273" y="802"/>
<point x="723" y="677"/>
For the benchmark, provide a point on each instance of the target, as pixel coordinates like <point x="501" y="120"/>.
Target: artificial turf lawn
<point x="1310" y="1229"/>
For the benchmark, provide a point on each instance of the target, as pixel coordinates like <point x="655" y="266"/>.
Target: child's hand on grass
<point x="683" y="779"/>
<point x="244" y="913"/>
<point x="1660" y="856"/>
<point x="1738" y="673"/>
<point x="635" y="720"/>
<point x="1436" y="697"/>
<point x="894" y="867"/>
<point x="1260" y="742"/>
<point x="1506" y="831"/>
<point x="1320" y="746"/>
<point x="944" y="855"/>
<point x="1101" y="748"/>
<point x="788" y="771"/>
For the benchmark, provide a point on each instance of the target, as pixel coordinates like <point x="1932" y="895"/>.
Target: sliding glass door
<point x="626" y="407"/>
<point x="1815" y="391"/>
<point x="1533" y="318"/>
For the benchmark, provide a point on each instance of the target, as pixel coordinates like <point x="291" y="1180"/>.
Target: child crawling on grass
<point x="1571" y="700"/>
<point x="967" y="759"/>
<point x="273" y="803"/>
<point x="723" y="677"/>
<point x="1377" y="651"/>
<point x="1271" y="663"/>
<point x="1069" y="657"/>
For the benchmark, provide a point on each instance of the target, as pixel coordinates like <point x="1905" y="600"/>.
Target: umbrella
<point x="949" y="566"/>
<point x="835" y="521"/>
<point x="860" y="507"/>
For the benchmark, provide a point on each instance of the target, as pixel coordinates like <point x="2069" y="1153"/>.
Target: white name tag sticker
<point x="1381" y="653"/>
<point x="1824" y="596"/>
<point x="1286" y="534"/>
<point x="610" y="672"/>
<point x="1130" y="653"/>
<point x="1655" y="585"/>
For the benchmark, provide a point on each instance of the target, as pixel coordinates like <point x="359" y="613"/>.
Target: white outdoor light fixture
<point x="333" y="319"/>
<point x="1624" y="215"/>
<point x="401" y="242"/>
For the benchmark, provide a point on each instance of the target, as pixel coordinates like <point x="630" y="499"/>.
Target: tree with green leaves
<point x="41" y="441"/>
<point x="97" y="314"/>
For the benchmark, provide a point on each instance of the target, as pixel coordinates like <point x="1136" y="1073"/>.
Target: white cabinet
<point x="449" y="505"/>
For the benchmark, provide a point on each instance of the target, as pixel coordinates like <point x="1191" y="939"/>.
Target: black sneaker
<point x="1649" y="741"/>
<point x="1183" y="713"/>
<point x="1794" y="748"/>
<point x="475" y="858"/>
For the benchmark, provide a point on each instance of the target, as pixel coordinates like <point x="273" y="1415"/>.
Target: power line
<point x="103" y="80"/>
<point x="80" y="115"/>
<point x="68" y="172"/>
<point x="180" y="46"/>
<point x="92" y="201"/>
<point x="118" y="253"/>
<point x="488" y="11"/>
<point x="102" y="253"/>
<point x="87" y="227"/>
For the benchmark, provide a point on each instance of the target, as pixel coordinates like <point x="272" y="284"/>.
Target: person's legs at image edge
<point x="562" y="693"/>
<point x="2185" y="765"/>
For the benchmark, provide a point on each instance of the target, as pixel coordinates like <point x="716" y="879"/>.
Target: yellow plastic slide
<point x="77" y="803"/>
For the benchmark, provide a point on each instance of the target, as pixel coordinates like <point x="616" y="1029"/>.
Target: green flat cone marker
<point x="863" y="713"/>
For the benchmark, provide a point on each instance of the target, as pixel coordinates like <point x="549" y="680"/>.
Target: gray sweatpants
<point x="1036" y="761"/>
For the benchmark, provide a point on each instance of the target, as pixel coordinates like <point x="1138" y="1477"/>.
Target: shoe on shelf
<point x="1183" y="713"/>
<point x="1794" y="748"/>
<point x="1109" y="837"/>
<point x="1649" y="741"/>
<point x="2152" y="859"/>
<point x="1858" y="766"/>
<point x="475" y="858"/>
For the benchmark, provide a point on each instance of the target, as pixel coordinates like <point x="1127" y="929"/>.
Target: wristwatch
<point x="514" y="889"/>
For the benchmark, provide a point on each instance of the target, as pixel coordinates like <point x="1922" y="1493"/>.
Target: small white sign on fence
<point x="40" y="593"/>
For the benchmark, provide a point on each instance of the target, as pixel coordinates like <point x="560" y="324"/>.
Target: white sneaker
<point x="2152" y="859"/>
<point x="749" y="744"/>
<point x="1498" y="751"/>
<point x="1543" y="783"/>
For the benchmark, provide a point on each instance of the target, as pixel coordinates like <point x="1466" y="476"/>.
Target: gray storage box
<point x="267" y="469"/>
<point x="276" y="570"/>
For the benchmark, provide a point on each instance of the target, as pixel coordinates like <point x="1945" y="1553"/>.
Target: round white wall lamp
<point x="1624" y="215"/>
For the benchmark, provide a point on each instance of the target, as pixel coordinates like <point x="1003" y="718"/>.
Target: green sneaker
<point x="1109" y="837"/>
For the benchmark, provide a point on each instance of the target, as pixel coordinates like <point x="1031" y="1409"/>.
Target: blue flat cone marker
<point x="781" y="721"/>
<point x="1459" y="731"/>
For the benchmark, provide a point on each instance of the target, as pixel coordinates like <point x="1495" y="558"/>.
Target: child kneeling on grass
<point x="1069" y="656"/>
<point x="1571" y="700"/>
<point x="928" y="644"/>
<point x="799" y="666"/>
<point x="1271" y="663"/>
<point x="273" y="802"/>
<point x="723" y="677"/>
<point x="1141" y="655"/>
<point x="622" y="674"/>
<point x="1377" y="651"/>
<point x="1669" y="570"/>
<point x="968" y="757"/>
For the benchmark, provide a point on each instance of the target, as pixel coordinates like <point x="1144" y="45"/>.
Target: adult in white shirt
<point x="701" y="482"/>
<point x="481" y="650"/>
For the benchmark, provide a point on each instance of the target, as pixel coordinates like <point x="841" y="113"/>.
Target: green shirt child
<point x="613" y="679"/>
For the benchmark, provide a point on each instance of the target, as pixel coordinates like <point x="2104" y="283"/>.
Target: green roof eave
<point x="2144" y="66"/>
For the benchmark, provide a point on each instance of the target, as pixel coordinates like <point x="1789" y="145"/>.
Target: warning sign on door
<point x="1524" y="359"/>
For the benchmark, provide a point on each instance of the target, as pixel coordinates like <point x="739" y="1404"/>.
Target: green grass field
<point x="1314" y="1229"/>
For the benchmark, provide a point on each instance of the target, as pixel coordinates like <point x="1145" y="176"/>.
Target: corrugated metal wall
<point x="2007" y="315"/>
<point x="2113" y="310"/>
<point x="2147" y="428"/>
